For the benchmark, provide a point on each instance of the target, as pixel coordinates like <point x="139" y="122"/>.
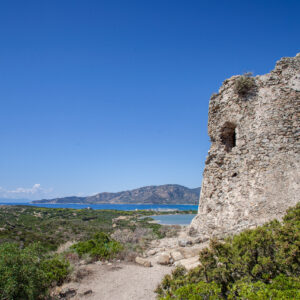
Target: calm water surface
<point x="174" y="219"/>
<point x="113" y="206"/>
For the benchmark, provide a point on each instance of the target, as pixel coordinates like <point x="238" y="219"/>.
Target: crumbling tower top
<point x="252" y="172"/>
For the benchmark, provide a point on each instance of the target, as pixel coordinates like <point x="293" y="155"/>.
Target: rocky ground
<point x="133" y="281"/>
<point x="181" y="250"/>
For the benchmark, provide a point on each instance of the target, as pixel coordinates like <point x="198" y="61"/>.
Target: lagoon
<point x="176" y="219"/>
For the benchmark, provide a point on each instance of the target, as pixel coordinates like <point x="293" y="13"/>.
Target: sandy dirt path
<point x="121" y="281"/>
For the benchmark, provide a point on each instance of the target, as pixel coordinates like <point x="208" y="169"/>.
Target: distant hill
<point x="162" y="194"/>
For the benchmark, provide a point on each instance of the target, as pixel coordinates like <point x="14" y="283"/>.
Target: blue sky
<point x="112" y="95"/>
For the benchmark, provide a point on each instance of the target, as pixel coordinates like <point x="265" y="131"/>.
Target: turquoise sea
<point x="113" y="206"/>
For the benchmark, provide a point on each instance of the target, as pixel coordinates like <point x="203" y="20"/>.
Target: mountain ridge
<point x="154" y="194"/>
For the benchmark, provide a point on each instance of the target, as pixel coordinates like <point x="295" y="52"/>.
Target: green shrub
<point x="282" y="287"/>
<point x="244" y="84"/>
<point x="260" y="262"/>
<point x="101" y="246"/>
<point x="27" y="273"/>
<point x="55" y="269"/>
<point x="199" y="291"/>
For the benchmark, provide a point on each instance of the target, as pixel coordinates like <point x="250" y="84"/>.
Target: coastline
<point x="112" y="203"/>
<point x="157" y="208"/>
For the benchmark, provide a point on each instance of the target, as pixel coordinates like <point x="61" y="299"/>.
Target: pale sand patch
<point x="121" y="281"/>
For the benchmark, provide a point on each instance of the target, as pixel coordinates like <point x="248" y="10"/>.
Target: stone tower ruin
<point x="252" y="171"/>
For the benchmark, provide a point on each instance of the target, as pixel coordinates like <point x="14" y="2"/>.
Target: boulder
<point x="182" y="243"/>
<point x="200" y="240"/>
<point x="188" y="263"/>
<point x="164" y="259"/>
<point x="151" y="252"/>
<point x="176" y="255"/>
<point x="142" y="261"/>
<point x="190" y="252"/>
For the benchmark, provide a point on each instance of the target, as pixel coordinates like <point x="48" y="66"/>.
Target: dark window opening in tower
<point x="228" y="136"/>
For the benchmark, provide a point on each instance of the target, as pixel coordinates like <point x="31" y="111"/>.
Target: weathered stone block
<point x="163" y="259"/>
<point x="142" y="261"/>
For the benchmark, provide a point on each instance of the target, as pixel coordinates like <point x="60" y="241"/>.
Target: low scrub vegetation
<point x="29" y="237"/>
<point x="52" y="227"/>
<point x="100" y="247"/>
<point x="263" y="263"/>
<point x="28" y="273"/>
<point x="244" y="84"/>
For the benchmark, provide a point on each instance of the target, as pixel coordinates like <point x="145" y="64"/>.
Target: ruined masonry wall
<point x="252" y="172"/>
